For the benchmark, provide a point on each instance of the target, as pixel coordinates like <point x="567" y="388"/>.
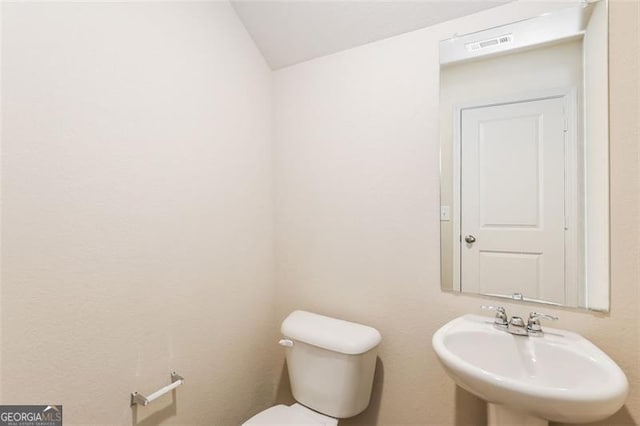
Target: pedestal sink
<point x="560" y="376"/>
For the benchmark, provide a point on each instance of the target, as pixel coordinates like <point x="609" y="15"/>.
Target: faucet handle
<point x="493" y="308"/>
<point x="537" y="315"/>
<point x="533" y="325"/>
<point x="501" y="319"/>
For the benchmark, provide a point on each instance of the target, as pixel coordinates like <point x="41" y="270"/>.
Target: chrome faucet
<point x="516" y="325"/>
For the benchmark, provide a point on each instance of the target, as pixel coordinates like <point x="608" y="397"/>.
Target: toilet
<point x="331" y="364"/>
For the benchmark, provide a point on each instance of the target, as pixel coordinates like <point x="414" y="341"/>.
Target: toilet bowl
<point x="331" y="364"/>
<point x="295" y="414"/>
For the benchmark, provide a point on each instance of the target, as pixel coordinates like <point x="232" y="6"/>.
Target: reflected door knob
<point x="470" y="239"/>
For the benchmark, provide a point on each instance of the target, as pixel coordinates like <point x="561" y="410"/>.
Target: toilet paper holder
<point x="137" y="398"/>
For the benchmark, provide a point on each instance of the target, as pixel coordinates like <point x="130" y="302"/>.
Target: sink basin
<point x="560" y="376"/>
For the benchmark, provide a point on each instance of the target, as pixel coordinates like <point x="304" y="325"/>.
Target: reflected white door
<point x="512" y="199"/>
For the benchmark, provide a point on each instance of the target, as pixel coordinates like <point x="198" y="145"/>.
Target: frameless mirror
<point x="525" y="159"/>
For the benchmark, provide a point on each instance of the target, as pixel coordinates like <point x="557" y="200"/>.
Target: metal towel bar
<point x="137" y="398"/>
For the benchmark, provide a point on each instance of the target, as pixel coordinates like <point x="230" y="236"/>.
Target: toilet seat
<point x="296" y="414"/>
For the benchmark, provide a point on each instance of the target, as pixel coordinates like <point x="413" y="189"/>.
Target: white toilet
<point x="331" y="364"/>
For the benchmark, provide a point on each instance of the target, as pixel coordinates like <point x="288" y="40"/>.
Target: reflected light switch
<point x="444" y="214"/>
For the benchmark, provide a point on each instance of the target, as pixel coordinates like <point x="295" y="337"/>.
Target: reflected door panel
<point x="512" y="199"/>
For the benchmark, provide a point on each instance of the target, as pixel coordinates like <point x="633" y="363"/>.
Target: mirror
<point x="525" y="159"/>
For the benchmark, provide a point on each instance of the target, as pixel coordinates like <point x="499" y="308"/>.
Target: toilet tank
<point x="331" y="363"/>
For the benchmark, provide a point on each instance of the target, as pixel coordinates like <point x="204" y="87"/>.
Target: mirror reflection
<point x="524" y="159"/>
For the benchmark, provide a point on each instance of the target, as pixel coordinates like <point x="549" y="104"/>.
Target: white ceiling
<point x="292" y="31"/>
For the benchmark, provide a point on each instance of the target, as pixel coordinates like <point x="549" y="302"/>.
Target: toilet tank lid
<point x="330" y="333"/>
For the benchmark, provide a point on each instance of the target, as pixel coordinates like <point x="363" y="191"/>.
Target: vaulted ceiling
<point x="292" y="31"/>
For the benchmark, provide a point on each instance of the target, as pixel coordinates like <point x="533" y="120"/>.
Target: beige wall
<point x="358" y="214"/>
<point x="137" y="215"/>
